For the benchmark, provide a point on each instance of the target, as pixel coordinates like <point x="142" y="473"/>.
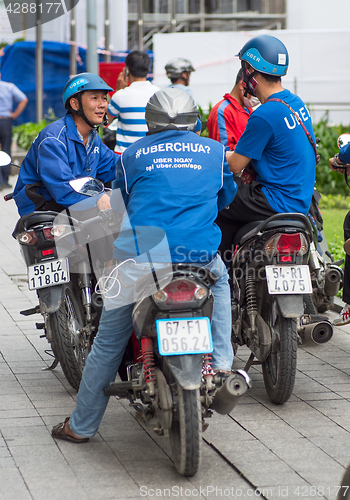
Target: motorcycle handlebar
<point x="8" y="196"/>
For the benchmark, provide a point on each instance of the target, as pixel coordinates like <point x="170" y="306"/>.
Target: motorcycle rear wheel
<point x="185" y="432"/>
<point x="71" y="347"/>
<point x="279" y="369"/>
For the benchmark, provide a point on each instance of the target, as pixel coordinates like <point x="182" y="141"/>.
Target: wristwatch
<point x="335" y="158"/>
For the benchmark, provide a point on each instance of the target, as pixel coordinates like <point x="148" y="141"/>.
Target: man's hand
<point x="236" y="162"/>
<point x="104" y="202"/>
<point x="122" y="80"/>
<point x="337" y="166"/>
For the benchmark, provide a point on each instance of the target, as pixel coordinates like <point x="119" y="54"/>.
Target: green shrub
<point x="327" y="181"/>
<point x="27" y="132"/>
<point x="335" y="201"/>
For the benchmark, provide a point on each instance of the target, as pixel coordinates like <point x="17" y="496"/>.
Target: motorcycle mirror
<point x="343" y="140"/>
<point x="5" y="159"/>
<point x="89" y="186"/>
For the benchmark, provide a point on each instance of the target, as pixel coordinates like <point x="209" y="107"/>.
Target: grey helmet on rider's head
<point x="79" y="84"/>
<point x="177" y="66"/>
<point x="266" y="54"/>
<point x="171" y="109"/>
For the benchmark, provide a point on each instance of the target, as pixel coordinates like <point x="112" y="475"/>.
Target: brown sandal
<point x="58" y="432"/>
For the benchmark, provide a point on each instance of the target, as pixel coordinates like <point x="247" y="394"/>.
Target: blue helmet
<point x="266" y="54"/>
<point x="83" y="81"/>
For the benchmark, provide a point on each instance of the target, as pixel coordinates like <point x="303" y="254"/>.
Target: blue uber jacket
<point x="57" y="156"/>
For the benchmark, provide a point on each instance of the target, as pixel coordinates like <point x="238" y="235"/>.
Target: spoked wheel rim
<point x="76" y="332"/>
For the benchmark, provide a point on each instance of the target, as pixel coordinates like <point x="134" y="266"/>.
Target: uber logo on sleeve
<point x="25" y="14"/>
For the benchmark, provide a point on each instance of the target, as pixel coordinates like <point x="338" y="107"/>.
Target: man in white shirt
<point x="128" y="103"/>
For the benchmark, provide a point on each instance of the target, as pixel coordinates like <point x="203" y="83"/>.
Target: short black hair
<point x="239" y="76"/>
<point x="138" y="63"/>
<point x="271" y="78"/>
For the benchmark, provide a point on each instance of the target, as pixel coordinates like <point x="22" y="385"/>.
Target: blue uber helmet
<point x="266" y="54"/>
<point x="79" y="84"/>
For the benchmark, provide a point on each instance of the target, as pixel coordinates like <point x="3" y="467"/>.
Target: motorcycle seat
<point x="32" y="219"/>
<point x="247" y="231"/>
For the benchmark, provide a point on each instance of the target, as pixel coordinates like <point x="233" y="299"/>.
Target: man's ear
<point x="74" y="103"/>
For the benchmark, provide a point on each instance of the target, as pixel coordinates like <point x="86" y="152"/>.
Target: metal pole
<point x="92" y="56"/>
<point x="140" y="23"/>
<point x="107" y="31"/>
<point x="39" y="68"/>
<point x="173" y="16"/>
<point x="201" y="15"/>
<point x="73" y="47"/>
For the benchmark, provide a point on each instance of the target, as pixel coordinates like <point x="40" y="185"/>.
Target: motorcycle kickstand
<point x="251" y="362"/>
<point x="54" y="363"/>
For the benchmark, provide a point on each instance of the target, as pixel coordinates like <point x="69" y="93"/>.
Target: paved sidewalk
<point x="297" y="450"/>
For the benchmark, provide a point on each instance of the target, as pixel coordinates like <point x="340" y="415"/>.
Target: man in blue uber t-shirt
<point x="278" y="140"/>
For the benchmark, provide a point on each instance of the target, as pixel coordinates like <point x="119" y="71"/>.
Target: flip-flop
<point x="58" y="432"/>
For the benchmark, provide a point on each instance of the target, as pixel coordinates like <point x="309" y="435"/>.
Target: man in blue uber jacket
<point x="67" y="149"/>
<point x="176" y="182"/>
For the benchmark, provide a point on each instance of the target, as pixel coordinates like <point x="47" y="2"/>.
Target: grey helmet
<point x="176" y="67"/>
<point x="171" y="109"/>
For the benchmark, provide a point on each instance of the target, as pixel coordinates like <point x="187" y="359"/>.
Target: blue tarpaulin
<point x="18" y="67"/>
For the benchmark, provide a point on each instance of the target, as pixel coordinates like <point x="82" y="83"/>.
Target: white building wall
<point x="318" y="14"/>
<point x="317" y="71"/>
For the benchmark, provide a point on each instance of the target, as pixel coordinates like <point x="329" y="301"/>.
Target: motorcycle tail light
<point x="48" y="233"/>
<point x="286" y="246"/>
<point x="61" y="230"/>
<point x="27" y="237"/>
<point x="47" y="252"/>
<point x="180" y="291"/>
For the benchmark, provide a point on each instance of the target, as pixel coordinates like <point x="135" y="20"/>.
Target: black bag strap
<point x="297" y="117"/>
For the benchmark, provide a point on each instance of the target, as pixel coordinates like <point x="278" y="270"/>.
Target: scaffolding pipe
<point x="39" y="68"/>
<point x="73" y="46"/>
<point x="92" y="57"/>
<point x="140" y="23"/>
<point x="107" y="32"/>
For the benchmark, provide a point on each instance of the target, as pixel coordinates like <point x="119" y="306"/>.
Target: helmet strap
<point x="249" y="82"/>
<point x="185" y="78"/>
<point x="80" y="111"/>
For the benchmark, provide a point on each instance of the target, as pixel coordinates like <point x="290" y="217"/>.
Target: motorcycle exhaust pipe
<point x="320" y="332"/>
<point x="332" y="280"/>
<point x="230" y="392"/>
<point x="97" y="300"/>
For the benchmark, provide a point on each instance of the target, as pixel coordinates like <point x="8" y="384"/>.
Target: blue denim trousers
<point x="112" y="338"/>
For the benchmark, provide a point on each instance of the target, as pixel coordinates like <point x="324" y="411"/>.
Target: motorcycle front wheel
<point x="185" y="432"/>
<point x="344" y="491"/>
<point x="71" y="345"/>
<point x="279" y="368"/>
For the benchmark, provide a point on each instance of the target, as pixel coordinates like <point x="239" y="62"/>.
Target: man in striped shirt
<point x="128" y="103"/>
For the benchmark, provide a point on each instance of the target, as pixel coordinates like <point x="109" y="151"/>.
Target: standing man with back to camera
<point x="278" y="140"/>
<point x="128" y="103"/>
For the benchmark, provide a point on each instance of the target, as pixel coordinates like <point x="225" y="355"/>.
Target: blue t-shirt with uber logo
<point x="281" y="153"/>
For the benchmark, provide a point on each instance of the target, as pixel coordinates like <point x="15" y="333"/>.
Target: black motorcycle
<point x="170" y="375"/>
<point x="57" y="249"/>
<point x="326" y="275"/>
<point x="269" y="278"/>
